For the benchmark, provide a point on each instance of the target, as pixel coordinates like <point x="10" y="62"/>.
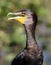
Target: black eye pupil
<point x="23" y="13"/>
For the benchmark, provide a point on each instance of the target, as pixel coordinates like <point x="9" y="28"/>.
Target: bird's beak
<point x="17" y="16"/>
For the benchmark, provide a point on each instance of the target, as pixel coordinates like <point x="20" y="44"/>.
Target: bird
<point x="31" y="54"/>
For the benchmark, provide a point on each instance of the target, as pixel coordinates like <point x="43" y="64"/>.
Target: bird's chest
<point x="32" y="53"/>
<point x="30" y="58"/>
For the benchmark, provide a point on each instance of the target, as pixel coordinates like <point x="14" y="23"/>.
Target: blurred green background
<point x="12" y="33"/>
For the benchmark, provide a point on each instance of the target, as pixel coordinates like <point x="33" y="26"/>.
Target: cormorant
<point x="31" y="54"/>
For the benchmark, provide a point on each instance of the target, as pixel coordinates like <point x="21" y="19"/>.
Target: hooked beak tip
<point x="9" y="14"/>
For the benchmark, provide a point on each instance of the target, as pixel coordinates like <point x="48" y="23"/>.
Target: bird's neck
<point x="30" y="34"/>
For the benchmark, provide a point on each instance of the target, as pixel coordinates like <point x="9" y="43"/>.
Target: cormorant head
<point x="24" y="16"/>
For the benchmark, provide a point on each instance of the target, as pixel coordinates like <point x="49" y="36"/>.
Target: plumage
<point x="31" y="54"/>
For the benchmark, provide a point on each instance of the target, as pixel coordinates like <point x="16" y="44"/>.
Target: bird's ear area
<point x="35" y="17"/>
<point x="20" y="17"/>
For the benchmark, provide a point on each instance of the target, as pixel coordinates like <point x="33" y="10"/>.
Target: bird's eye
<point x="23" y="13"/>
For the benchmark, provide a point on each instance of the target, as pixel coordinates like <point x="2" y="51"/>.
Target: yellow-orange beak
<point x="17" y="16"/>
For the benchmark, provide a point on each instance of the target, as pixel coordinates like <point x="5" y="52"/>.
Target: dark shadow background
<point x="12" y="33"/>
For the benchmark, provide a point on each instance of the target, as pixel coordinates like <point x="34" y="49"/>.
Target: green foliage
<point x="4" y="38"/>
<point x="18" y="36"/>
<point x="48" y="24"/>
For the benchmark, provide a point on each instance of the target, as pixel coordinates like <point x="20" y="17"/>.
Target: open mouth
<point x="15" y="15"/>
<point x="19" y="16"/>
